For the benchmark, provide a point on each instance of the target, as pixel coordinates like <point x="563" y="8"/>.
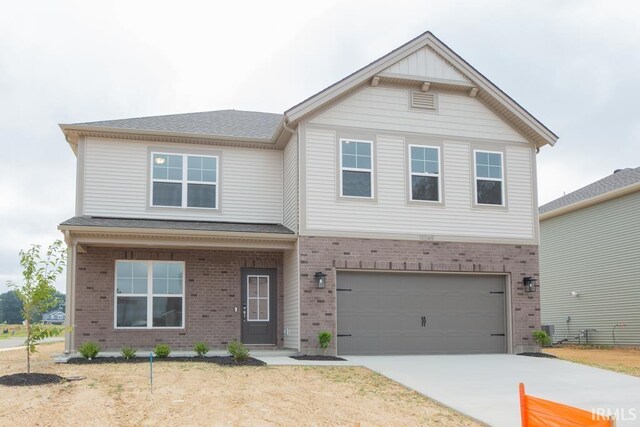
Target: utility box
<point x="549" y="329"/>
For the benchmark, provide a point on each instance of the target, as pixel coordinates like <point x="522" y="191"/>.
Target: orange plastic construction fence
<point x="536" y="412"/>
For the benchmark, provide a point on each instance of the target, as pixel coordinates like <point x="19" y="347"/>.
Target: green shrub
<point x="324" y="339"/>
<point x="89" y="350"/>
<point x="201" y="348"/>
<point x="541" y="338"/>
<point x="162" y="350"/>
<point x="238" y="351"/>
<point x="128" y="352"/>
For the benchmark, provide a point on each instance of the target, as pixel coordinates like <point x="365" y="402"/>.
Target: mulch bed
<point x="23" y="379"/>
<point x="218" y="360"/>
<point x="318" y="357"/>
<point x="543" y="355"/>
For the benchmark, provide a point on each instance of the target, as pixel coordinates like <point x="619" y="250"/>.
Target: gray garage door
<point x="403" y="313"/>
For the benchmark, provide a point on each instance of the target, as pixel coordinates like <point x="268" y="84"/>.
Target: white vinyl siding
<point x="389" y="109"/>
<point x="426" y="63"/>
<point x="116" y="181"/>
<point x="290" y="185"/>
<point x="291" y="301"/>
<point x="391" y="214"/>
<point x="594" y="252"/>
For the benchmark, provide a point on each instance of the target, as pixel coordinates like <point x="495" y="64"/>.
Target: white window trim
<point x="476" y="178"/>
<point x="185" y="180"/>
<point x="370" y="170"/>
<point x="268" y="297"/>
<point x="438" y="175"/>
<point x="149" y="295"/>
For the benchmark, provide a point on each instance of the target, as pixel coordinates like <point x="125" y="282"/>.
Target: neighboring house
<point x="54" y="317"/>
<point x="410" y="184"/>
<point x="590" y="261"/>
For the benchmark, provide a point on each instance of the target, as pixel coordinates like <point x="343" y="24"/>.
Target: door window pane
<point x="253" y="287"/>
<point x="252" y="309"/>
<point x="263" y="309"/>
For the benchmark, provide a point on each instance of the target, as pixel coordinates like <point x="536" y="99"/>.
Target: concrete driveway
<point x="485" y="387"/>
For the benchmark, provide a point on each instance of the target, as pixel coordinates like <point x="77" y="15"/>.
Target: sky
<point x="575" y="65"/>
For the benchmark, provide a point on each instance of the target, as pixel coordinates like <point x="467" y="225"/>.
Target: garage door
<point x="405" y="313"/>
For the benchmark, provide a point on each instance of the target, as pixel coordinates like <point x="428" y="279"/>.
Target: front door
<point x="258" y="306"/>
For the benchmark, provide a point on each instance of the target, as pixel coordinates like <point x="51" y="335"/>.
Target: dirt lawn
<point x="207" y="394"/>
<point x="625" y="360"/>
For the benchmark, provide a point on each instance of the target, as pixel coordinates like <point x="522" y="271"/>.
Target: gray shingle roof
<point x="230" y="123"/>
<point x="620" y="179"/>
<point x="87" y="221"/>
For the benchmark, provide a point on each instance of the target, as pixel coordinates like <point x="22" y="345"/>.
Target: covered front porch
<point x="140" y="283"/>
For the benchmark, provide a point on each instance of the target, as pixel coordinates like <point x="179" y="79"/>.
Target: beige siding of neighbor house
<point x="384" y="115"/>
<point x="291" y="274"/>
<point x="426" y="63"/>
<point x="116" y="182"/>
<point x="290" y="187"/>
<point x="387" y="108"/>
<point x="594" y="251"/>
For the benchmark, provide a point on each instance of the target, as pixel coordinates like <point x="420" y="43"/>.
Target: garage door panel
<point x="381" y="313"/>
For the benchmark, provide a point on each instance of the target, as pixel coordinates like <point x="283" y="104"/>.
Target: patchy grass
<point x="18" y="331"/>
<point x="207" y="394"/>
<point x="624" y="360"/>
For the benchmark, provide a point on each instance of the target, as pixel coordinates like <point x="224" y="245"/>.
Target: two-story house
<point x="395" y="209"/>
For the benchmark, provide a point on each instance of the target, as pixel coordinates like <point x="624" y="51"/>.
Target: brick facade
<point x="212" y="291"/>
<point x="318" y="306"/>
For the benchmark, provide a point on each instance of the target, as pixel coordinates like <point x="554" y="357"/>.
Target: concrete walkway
<point x="485" y="387"/>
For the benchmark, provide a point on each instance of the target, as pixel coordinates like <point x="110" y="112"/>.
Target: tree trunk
<point x="28" y="349"/>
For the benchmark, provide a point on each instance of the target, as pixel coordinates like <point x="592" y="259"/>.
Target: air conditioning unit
<point x="549" y="329"/>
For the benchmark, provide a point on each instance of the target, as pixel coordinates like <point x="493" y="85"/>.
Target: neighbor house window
<point x="489" y="178"/>
<point x="184" y="180"/>
<point x="149" y="294"/>
<point x="425" y="173"/>
<point x="356" y="168"/>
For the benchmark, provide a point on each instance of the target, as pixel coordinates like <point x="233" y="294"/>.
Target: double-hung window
<point x="425" y="173"/>
<point x="489" y="178"/>
<point x="184" y="180"/>
<point x="149" y="294"/>
<point x="356" y="168"/>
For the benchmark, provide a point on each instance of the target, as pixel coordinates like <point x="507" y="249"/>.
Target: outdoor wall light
<point x="529" y="284"/>
<point x="320" y="279"/>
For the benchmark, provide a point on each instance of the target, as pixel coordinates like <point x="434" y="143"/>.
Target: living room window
<point x="489" y="178"/>
<point x="356" y="168"/>
<point x="149" y="294"/>
<point x="184" y="180"/>
<point x="425" y="173"/>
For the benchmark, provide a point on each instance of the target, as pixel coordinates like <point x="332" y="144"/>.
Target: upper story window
<point x="149" y="294"/>
<point x="356" y="168"/>
<point x="425" y="173"/>
<point x="184" y="180"/>
<point x="489" y="178"/>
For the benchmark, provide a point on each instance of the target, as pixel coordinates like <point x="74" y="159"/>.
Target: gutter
<point x="178" y="232"/>
<point x="121" y="131"/>
<point x="613" y="194"/>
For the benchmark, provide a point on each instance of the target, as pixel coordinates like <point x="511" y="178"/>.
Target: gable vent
<point x="423" y="101"/>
